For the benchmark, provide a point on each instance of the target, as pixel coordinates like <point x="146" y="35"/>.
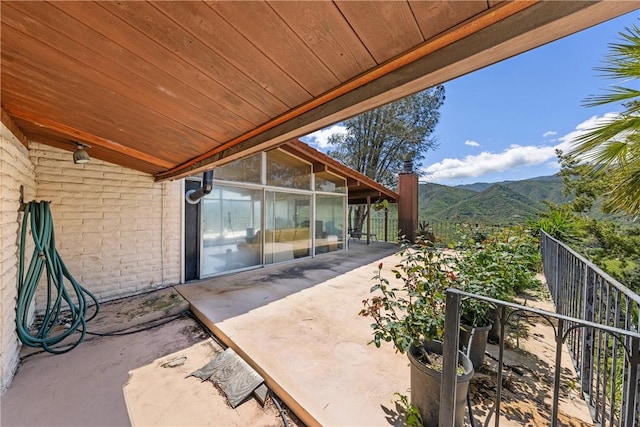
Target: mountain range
<point x="507" y="202"/>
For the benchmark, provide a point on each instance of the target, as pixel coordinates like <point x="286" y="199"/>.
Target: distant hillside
<point x="491" y="203"/>
<point x="540" y="188"/>
<point x="434" y="198"/>
<point x="497" y="204"/>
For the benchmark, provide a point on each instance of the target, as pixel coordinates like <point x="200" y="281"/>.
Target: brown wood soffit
<point x="118" y="122"/>
<point x="277" y="130"/>
<point x="505" y="30"/>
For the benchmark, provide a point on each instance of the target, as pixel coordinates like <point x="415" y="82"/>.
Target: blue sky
<point x="504" y="122"/>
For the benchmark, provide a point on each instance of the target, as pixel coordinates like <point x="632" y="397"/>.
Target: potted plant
<point x="499" y="267"/>
<point x="476" y="321"/>
<point x="409" y="312"/>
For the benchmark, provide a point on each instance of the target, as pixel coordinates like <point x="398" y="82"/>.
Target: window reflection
<point x="284" y="170"/>
<point x="329" y="230"/>
<point x="287" y="226"/>
<point x="232" y="218"/>
<point x="243" y="170"/>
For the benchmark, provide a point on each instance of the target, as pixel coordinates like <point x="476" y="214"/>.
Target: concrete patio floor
<point x="298" y="325"/>
<point x="124" y="380"/>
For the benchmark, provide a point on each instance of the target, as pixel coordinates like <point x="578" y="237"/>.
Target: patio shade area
<point x="298" y="326"/>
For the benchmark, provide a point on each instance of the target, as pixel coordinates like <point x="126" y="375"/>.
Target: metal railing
<point x="444" y="233"/>
<point x="623" y="413"/>
<point x="582" y="290"/>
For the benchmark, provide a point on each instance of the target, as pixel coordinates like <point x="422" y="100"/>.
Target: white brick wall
<point x="116" y="229"/>
<point x="15" y="169"/>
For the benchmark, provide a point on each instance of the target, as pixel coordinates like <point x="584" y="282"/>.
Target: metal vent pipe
<point x="194" y="196"/>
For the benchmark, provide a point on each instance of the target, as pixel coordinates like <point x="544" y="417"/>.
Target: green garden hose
<point x="52" y="329"/>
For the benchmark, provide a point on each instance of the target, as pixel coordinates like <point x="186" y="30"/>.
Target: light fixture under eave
<point x="80" y="156"/>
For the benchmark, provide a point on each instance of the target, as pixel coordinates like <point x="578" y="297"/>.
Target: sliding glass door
<point x="231" y="238"/>
<point x="287" y="226"/>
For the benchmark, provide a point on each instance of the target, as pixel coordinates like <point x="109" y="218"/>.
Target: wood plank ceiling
<point x="173" y="88"/>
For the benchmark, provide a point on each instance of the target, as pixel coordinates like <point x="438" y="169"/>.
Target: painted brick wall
<point x="116" y="229"/>
<point x="16" y="169"/>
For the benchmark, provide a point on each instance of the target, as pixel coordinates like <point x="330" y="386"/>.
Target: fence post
<point x="386" y="224"/>
<point x="558" y="370"/>
<point x="588" y="313"/>
<point x="449" y="379"/>
<point x="632" y="386"/>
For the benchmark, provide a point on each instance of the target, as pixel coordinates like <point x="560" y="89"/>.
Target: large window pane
<point x="287" y="227"/>
<point x="244" y="170"/>
<point x="329" y="183"/>
<point x="329" y="223"/>
<point x="232" y="218"/>
<point x="284" y="170"/>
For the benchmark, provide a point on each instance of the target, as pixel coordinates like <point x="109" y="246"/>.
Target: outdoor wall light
<point x="80" y="156"/>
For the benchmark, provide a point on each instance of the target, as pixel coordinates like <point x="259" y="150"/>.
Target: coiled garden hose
<point x="51" y="331"/>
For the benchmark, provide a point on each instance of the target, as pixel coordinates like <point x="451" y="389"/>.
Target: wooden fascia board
<point x="88" y="138"/>
<point x="13" y="128"/>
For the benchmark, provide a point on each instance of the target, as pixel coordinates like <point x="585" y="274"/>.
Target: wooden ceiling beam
<point x="364" y="194"/>
<point x="15" y="130"/>
<point x="88" y="138"/>
<point x="319" y="167"/>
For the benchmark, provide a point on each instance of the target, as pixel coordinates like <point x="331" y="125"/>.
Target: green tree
<point x="609" y="241"/>
<point x="379" y="141"/>
<point x="613" y="147"/>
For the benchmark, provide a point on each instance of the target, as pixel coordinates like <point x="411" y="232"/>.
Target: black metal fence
<point x="596" y="317"/>
<point x="582" y="290"/>
<point x="442" y="233"/>
<point x="606" y="410"/>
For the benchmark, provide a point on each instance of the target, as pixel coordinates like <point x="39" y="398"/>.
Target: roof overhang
<point x="361" y="188"/>
<point x="175" y="88"/>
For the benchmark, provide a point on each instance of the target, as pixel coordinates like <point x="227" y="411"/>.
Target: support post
<point x="368" y="220"/>
<point x="386" y="224"/>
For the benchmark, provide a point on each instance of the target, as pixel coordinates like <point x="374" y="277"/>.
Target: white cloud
<point x="549" y="133"/>
<point x="512" y="157"/>
<point x="567" y="141"/>
<point x="471" y="143"/>
<point x="320" y="137"/>
<point x="486" y="162"/>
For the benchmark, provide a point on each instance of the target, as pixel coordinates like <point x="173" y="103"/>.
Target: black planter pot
<point x="425" y="385"/>
<point x="478" y="343"/>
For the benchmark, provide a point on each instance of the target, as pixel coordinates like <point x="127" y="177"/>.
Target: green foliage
<point x="498" y="204"/>
<point x="612" y="148"/>
<point x="379" y="141"/>
<point x="412" y="415"/>
<point x="559" y="222"/>
<point x="411" y="308"/>
<point x="610" y="242"/>
<point x="498" y="267"/>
